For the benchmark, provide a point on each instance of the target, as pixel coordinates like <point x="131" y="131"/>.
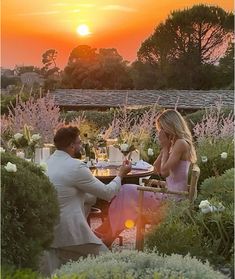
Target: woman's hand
<point x="164" y="140"/>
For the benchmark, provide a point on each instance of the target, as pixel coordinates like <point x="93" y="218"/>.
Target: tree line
<point x="191" y="49"/>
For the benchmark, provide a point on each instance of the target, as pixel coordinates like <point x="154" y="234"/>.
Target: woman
<point x="176" y="155"/>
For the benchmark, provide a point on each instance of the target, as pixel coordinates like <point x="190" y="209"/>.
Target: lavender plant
<point x="214" y="125"/>
<point x="41" y="115"/>
<point x="214" y="142"/>
<point x="134" y="131"/>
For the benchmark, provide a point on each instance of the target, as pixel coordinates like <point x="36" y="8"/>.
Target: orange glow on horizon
<point x="41" y="25"/>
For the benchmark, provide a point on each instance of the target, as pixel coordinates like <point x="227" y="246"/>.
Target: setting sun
<point x="83" y="30"/>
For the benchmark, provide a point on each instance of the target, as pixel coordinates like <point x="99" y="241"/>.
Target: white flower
<point x="124" y="147"/>
<point x="206" y="209"/>
<point x="213" y="208"/>
<point x="43" y="166"/>
<point x="150" y="152"/>
<point x="36" y="137"/>
<point x="204" y="204"/>
<point x="10" y="167"/>
<point x="2" y="150"/>
<point x="204" y="159"/>
<point x="224" y="155"/>
<point x="219" y="208"/>
<point x="18" y="136"/>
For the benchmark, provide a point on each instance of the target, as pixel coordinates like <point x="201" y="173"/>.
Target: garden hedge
<point x="29" y="212"/>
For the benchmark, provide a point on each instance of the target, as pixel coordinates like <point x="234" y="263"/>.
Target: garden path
<point x="128" y="237"/>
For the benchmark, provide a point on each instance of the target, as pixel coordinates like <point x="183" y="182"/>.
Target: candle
<point x="135" y="156"/>
<point x="38" y="155"/>
<point x="115" y="155"/>
<point x="45" y="153"/>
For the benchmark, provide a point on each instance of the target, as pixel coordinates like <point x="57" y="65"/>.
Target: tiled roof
<point x="73" y="99"/>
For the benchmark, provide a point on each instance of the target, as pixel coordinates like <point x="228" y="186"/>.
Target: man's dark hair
<point x="65" y="136"/>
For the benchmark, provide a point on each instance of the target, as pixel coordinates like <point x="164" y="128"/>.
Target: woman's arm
<point x="170" y="160"/>
<point x="157" y="164"/>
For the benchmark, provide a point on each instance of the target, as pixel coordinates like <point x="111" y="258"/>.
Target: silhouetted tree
<point x="103" y="70"/>
<point x="49" y="60"/>
<point x="225" y="69"/>
<point x="114" y="70"/>
<point x="145" y="75"/>
<point x="185" y="41"/>
<point x="50" y="70"/>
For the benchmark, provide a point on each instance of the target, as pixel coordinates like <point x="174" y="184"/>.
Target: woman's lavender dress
<point x="124" y="205"/>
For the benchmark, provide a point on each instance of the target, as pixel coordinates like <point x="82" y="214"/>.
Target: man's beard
<point x="77" y="154"/>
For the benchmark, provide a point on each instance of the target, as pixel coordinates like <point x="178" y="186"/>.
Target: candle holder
<point x="29" y="153"/>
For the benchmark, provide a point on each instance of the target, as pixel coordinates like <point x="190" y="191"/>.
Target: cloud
<point x="118" y="8"/>
<point x="40" y="13"/>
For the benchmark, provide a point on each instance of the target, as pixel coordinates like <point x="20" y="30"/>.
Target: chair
<point x="142" y="219"/>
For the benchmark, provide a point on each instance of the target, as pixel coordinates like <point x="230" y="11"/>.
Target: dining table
<point x="107" y="173"/>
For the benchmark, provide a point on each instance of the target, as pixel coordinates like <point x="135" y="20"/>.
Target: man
<point x="77" y="190"/>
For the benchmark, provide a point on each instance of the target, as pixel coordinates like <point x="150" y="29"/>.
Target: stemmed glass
<point x="126" y="155"/>
<point x="127" y="152"/>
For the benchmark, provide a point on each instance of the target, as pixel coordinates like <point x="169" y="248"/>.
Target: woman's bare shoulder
<point x="181" y="144"/>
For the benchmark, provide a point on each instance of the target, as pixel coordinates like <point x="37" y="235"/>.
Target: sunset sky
<point x="29" y="28"/>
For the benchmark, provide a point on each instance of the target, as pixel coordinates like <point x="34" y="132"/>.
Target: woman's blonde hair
<point x="172" y="122"/>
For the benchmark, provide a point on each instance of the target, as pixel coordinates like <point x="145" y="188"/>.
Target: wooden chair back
<point x="191" y="194"/>
<point x="192" y="191"/>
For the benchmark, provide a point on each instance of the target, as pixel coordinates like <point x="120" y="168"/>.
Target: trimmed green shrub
<point x="29" y="212"/>
<point x="8" y="272"/>
<point x="176" y="233"/>
<point x="134" y="264"/>
<point x="215" y="165"/>
<point x="221" y="188"/>
<point x="207" y="236"/>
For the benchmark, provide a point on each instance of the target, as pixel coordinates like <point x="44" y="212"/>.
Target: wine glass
<point x="126" y="155"/>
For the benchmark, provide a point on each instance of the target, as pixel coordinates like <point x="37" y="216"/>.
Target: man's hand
<point x="124" y="169"/>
